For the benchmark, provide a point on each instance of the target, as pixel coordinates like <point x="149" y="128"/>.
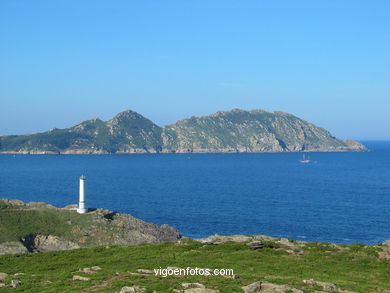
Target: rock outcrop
<point x="80" y="278"/>
<point x="326" y="286"/>
<point x="223" y="132"/>
<point x="3" y="276"/>
<point x="12" y="247"/>
<point x="266" y="287"/>
<point x="133" y="289"/>
<point x="384" y="252"/>
<point x="258" y="242"/>
<point x="41" y="243"/>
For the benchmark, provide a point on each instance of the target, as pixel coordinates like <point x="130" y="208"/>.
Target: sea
<point x="338" y="197"/>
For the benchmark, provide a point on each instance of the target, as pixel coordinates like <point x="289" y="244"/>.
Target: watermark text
<point x="171" y="271"/>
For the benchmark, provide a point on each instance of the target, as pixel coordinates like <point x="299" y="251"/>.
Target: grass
<point x="18" y="223"/>
<point x="352" y="267"/>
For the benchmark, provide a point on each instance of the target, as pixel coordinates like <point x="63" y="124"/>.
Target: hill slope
<point x="230" y="131"/>
<point x="127" y="132"/>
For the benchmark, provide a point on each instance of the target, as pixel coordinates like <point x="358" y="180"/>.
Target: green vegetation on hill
<point x="16" y="224"/>
<point x="42" y="227"/>
<point x="349" y="267"/>
<point x="127" y="131"/>
<point x="61" y="236"/>
<point x="230" y="131"/>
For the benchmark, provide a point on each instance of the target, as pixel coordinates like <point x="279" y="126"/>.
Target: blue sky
<point x="327" y="61"/>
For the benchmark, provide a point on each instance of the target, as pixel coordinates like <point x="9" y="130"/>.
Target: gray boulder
<point x="326" y="286"/>
<point x="266" y="287"/>
<point x="80" y="278"/>
<point x="12" y="247"/>
<point x="15" y="284"/>
<point x="192" y="285"/>
<point x="3" y="276"/>
<point x="200" y="290"/>
<point x="134" y="289"/>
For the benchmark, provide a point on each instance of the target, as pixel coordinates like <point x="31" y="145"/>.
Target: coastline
<point x="40" y="238"/>
<point x="144" y="152"/>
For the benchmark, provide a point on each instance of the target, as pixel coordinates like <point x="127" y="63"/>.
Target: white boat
<point x="305" y="160"/>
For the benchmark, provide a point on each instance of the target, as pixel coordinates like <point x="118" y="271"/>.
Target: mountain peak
<point x="126" y="114"/>
<point x="126" y="118"/>
<point x="223" y="113"/>
<point x="238" y="111"/>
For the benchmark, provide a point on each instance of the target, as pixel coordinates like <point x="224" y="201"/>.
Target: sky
<point x="66" y="61"/>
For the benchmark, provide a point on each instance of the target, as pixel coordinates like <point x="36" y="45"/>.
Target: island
<point x="235" y="131"/>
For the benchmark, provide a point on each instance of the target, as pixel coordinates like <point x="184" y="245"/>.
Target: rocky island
<point x="222" y="132"/>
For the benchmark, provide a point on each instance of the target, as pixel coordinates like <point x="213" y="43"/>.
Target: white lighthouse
<point x="82" y="209"/>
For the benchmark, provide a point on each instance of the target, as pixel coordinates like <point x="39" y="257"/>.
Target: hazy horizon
<point x="326" y="62"/>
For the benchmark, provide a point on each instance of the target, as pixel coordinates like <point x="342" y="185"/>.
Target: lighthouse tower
<point x="82" y="209"/>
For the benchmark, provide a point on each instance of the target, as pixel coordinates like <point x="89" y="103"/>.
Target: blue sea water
<point x="340" y="197"/>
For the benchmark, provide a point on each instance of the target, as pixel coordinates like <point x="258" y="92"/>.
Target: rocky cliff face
<point x="251" y="131"/>
<point x="33" y="227"/>
<point x="230" y="131"/>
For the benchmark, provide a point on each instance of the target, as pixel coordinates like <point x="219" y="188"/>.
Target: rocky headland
<point x="235" y="131"/>
<point x="37" y="226"/>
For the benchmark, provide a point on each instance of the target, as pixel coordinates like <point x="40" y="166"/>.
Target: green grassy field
<point x="353" y="267"/>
